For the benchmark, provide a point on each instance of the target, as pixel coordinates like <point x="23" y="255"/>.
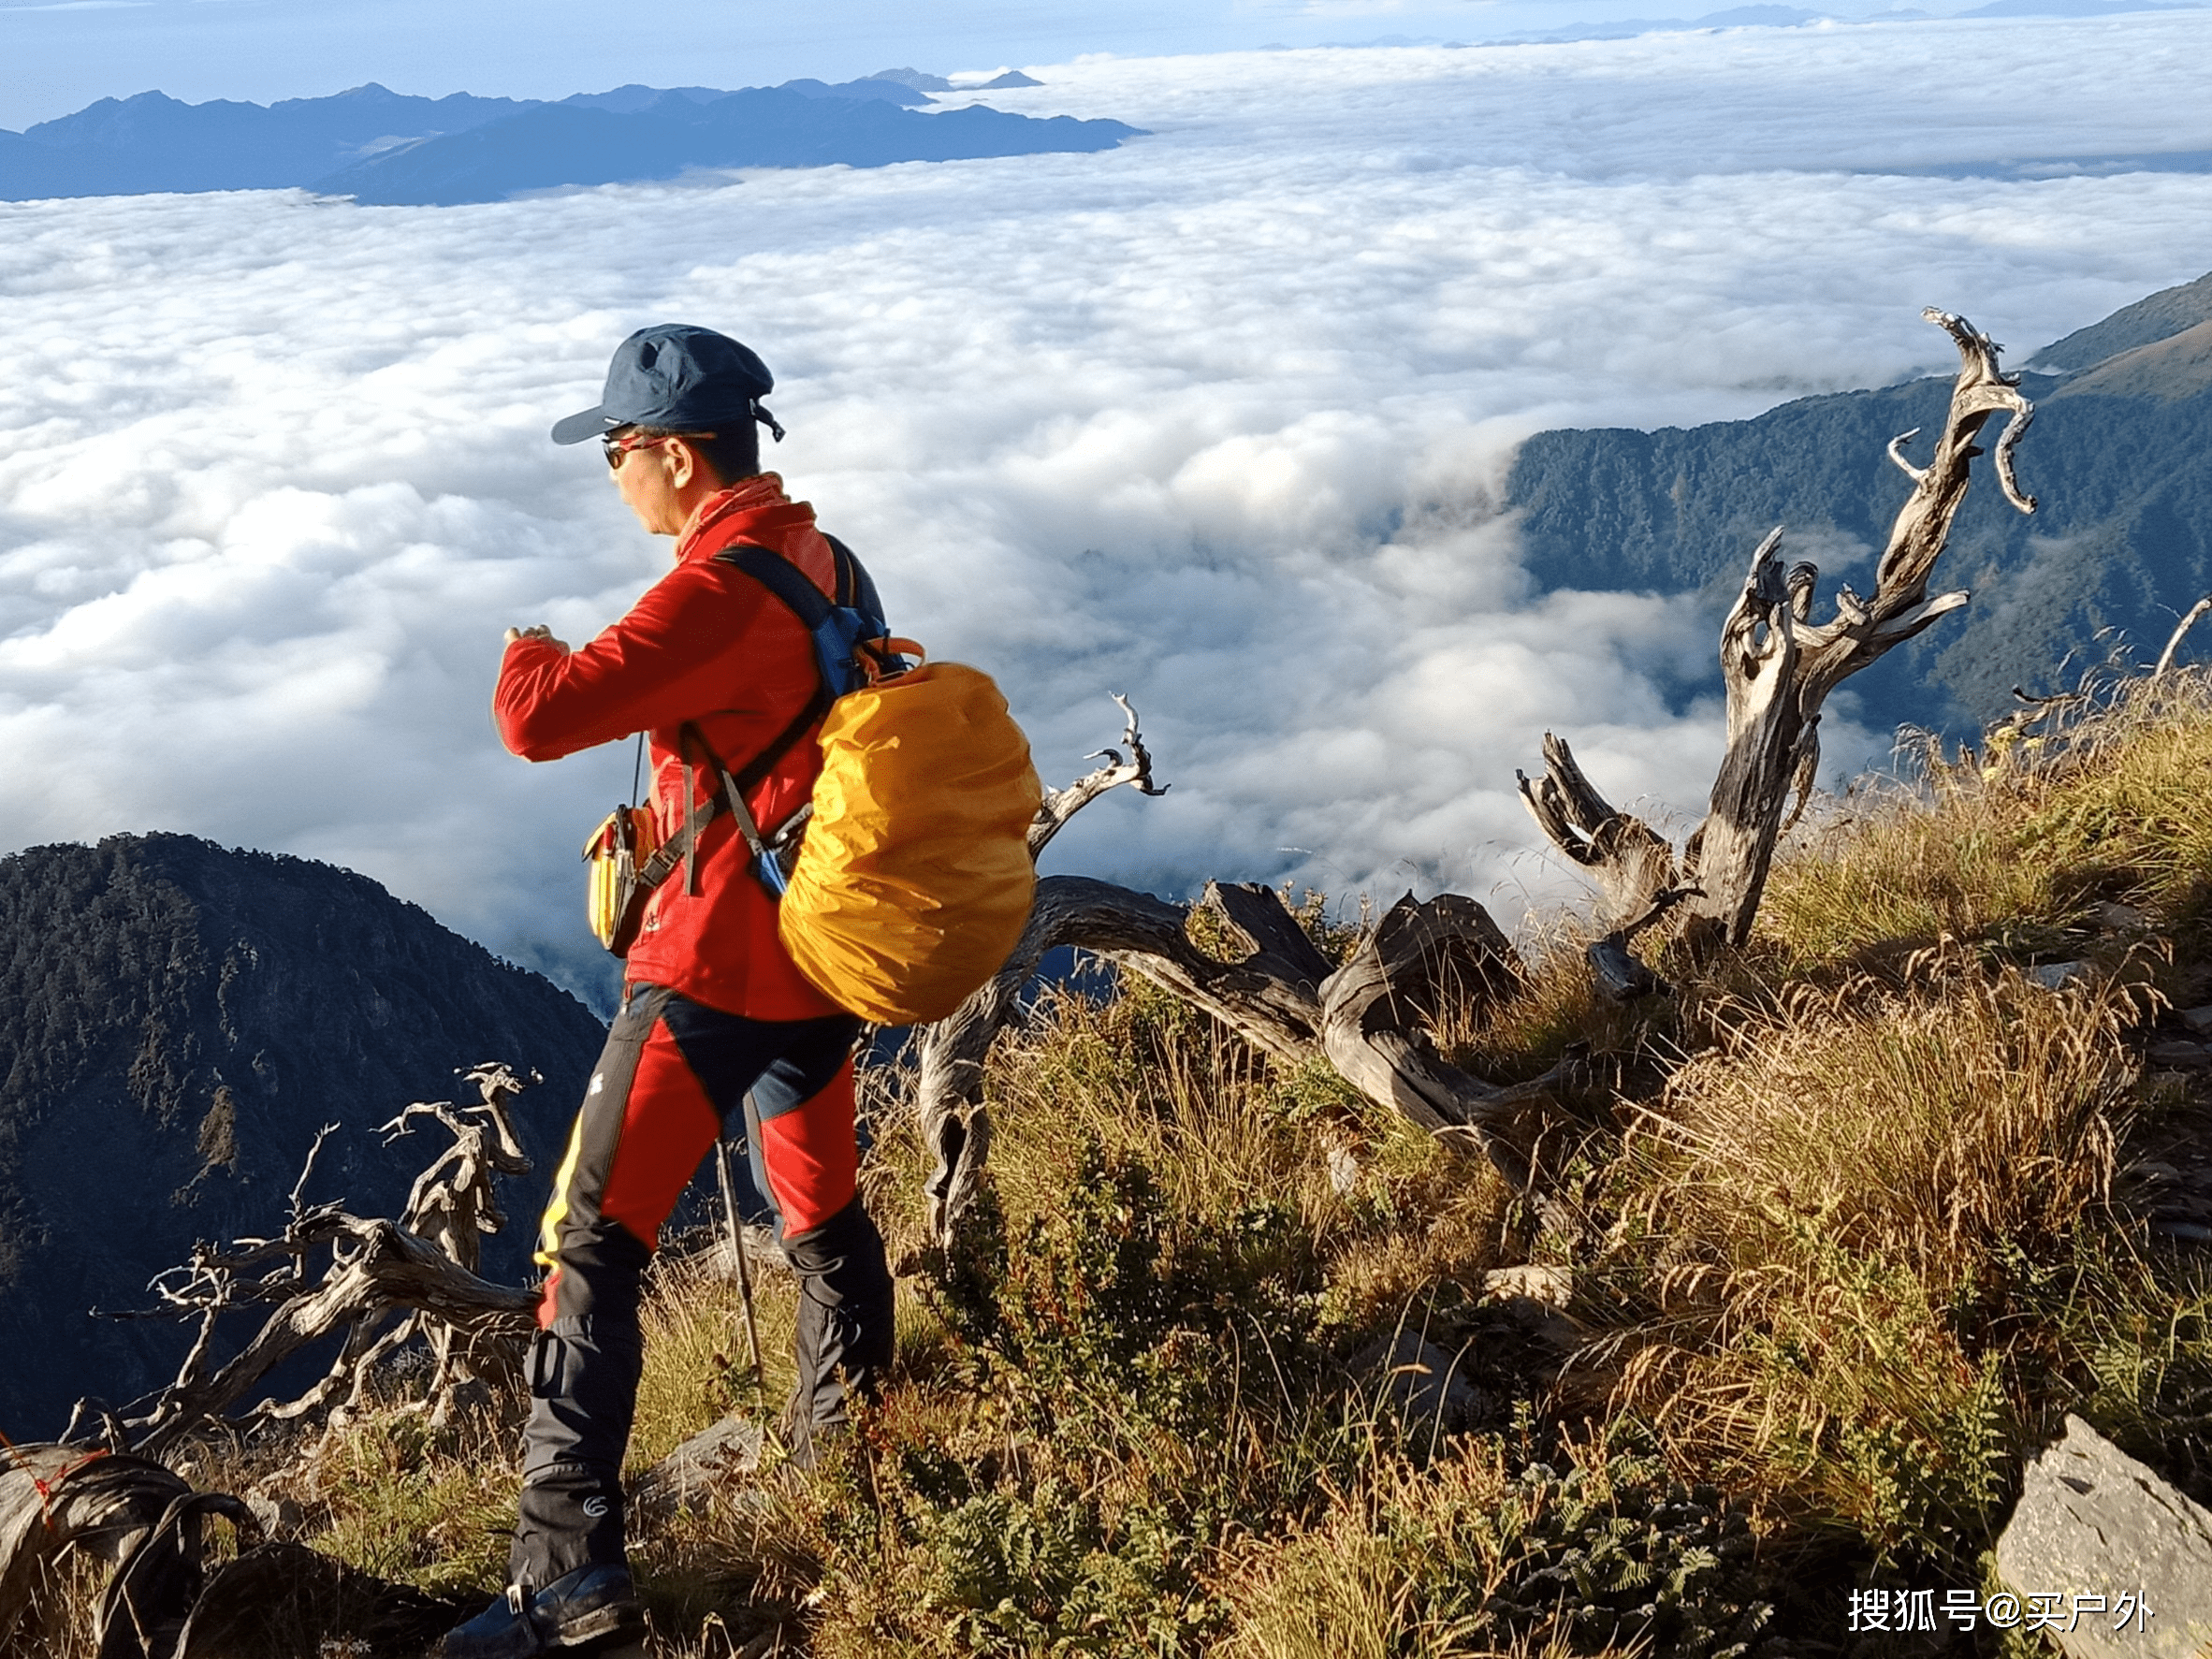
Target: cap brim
<point x="589" y="423"/>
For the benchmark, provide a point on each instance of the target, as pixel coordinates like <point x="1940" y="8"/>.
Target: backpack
<point x="906" y="882"/>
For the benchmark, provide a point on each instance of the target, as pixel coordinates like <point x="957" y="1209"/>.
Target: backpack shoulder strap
<point x="855" y="586"/>
<point x="853" y="590"/>
<point x="782" y="578"/>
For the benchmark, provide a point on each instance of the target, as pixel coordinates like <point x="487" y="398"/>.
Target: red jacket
<point x="710" y="645"/>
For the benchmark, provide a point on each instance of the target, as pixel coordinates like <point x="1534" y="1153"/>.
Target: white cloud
<point x="1220" y="421"/>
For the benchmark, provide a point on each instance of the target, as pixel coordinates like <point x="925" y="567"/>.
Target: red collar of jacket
<point x="752" y="510"/>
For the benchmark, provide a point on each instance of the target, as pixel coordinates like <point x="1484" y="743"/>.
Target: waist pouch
<point x="615" y="899"/>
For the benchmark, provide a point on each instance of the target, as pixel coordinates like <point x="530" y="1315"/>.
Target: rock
<point x="2198" y="1019"/>
<point x="682" y="1480"/>
<point x="1552" y="1287"/>
<point x="2120" y="918"/>
<point x="1343" y="1169"/>
<point x="1421" y="1384"/>
<point x="2178" y="1056"/>
<point x="2057" y="976"/>
<point x="280" y="1516"/>
<point x="2092" y="1522"/>
<point x="762" y="1256"/>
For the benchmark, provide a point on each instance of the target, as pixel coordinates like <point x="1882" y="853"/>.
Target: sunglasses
<point x="616" y="448"/>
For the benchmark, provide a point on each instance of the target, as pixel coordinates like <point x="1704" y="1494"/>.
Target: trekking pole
<point x="752" y="1334"/>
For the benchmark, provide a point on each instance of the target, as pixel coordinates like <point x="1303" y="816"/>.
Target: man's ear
<point x="684" y="463"/>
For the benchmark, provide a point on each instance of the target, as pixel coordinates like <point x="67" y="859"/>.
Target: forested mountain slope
<point x="2123" y="539"/>
<point x="176" y="1021"/>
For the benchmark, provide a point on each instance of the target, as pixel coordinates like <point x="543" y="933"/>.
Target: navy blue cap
<point x="676" y="375"/>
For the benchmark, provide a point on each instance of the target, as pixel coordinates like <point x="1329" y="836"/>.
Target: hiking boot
<point x="579" y="1610"/>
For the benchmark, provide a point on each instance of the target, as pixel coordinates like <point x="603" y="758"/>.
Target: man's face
<point x="654" y="475"/>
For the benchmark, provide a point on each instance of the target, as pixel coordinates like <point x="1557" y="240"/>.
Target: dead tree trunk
<point x="951" y="1051"/>
<point x="127" y="1510"/>
<point x="1779" y="668"/>
<point x="452" y="1204"/>
<point x="385" y="1282"/>
<point x="1281" y="995"/>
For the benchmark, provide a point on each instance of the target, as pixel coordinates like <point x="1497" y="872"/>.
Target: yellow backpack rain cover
<point x="914" y="880"/>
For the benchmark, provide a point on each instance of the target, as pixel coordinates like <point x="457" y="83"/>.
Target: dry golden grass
<point x="56" y="1623"/>
<point x="1846" y="1246"/>
<point x="2016" y="845"/>
<point x="1341" y="1589"/>
<point x="391" y="1494"/>
<point x="698" y="1366"/>
<point x="1146" y="1076"/>
<point x="1816" y="1214"/>
<point x="1928" y="1128"/>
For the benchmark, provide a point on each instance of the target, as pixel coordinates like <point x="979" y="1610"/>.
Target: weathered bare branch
<point x="1777" y="667"/>
<point x="307" y="1168"/>
<point x="2180" y="629"/>
<point x="1635" y="870"/>
<point x="1630" y="861"/>
<point x="452" y="1202"/>
<point x="949" y="1097"/>
<point x="376" y="1267"/>
<point x="419" y="1272"/>
<point x="1060" y="804"/>
<point x="1422" y="957"/>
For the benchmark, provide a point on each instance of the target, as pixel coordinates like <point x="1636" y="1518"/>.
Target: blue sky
<point x="58" y="55"/>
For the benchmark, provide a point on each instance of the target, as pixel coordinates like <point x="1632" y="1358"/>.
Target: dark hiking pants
<point x="672" y="1073"/>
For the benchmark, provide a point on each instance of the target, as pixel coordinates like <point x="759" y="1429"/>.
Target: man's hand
<point x="539" y="631"/>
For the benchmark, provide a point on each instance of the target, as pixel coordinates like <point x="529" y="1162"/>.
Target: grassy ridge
<point x="1856" y="1216"/>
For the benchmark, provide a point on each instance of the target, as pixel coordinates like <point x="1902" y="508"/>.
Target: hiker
<point x="716" y="1027"/>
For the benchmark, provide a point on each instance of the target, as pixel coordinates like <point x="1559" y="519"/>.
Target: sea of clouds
<point x="1220" y="420"/>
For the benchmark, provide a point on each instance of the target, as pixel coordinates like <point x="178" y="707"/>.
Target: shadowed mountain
<point x="2122" y="540"/>
<point x="152" y="142"/>
<point x="384" y="148"/>
<point x="559" y="144"/>
<point x="176" y="1021"/>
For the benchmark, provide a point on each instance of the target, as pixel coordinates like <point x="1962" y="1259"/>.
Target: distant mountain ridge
<point x="177" y="1020"/>
<point x="386" y="148"/>
<point x="2122" y="540"/>
<point x="2159" y="316"/>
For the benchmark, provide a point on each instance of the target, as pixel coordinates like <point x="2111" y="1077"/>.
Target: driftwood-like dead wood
<point x="2181" y="629"/>
<point x="1633" y="865"/>
<point x="452" y="1204"/>
<point x="377" y="1271"/>
<point x="1777" y="667"/>
<point x="127" y="1510"/>
<point x="1422" y="958"/>
<point x="273" y="1600"/>
<point x="949" y="1097"/>
<point x="1060" y="804"/>
<point x="1283" y="996"/>
<point x="385" y="1282"/>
